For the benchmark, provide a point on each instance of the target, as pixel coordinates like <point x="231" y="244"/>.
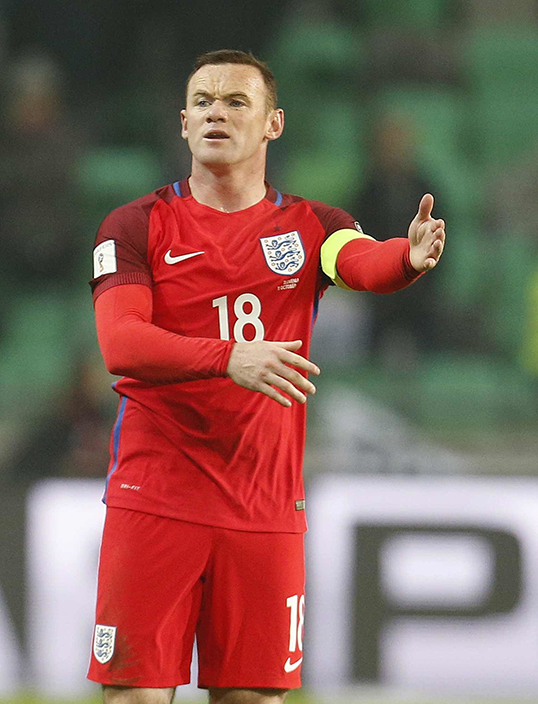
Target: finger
<point x="286" y="386"/>
<point x="296" y="379"/>
<point x="295" y="360"/>
<point x="434" y="245"/>
<point x="272" y="393"/>
<point x="425" y="207"/>
<point x="433" y="255"/>
<point x="431" y="231"/>
<point x="436" y="248"/>
<point x="438" y="239"/>
<point x="288" y="344"/>
<point x="440" y="233"/>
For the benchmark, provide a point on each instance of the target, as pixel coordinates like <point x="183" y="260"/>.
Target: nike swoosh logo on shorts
<point x="291" y="666"/>
<point x="169" y="259"/>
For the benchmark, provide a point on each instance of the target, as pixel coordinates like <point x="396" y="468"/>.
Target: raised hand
<point x="426" y="236"/>
<point x="262" y="366"/>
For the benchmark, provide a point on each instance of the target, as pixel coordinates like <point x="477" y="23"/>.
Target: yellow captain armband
<point x="331" y="248"/>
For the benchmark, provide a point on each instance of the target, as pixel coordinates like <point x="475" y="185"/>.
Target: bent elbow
<point x="117" y="369"/>
<point x="116" y="359"/>
<point x="115" y="366"/>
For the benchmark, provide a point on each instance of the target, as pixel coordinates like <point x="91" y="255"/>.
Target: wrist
<point x="225" y="365"/>
<point x="410" y="270"/>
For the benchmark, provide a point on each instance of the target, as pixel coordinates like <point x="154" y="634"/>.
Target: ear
<point x="275" y="124"/>
<point x="184" y="131"/>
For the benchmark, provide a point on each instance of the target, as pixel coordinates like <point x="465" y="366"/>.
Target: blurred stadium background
<point x="430" y="395"/>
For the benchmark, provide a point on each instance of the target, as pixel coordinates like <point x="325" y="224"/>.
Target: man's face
<point x="226" y="120"/>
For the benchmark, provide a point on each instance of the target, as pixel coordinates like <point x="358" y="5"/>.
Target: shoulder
<point x="136" y="213"/>
<point x="330" y="217"/>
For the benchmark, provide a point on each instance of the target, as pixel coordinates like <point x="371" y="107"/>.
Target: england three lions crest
<point x="103" y="643"/>
<point x="285" y="253"/>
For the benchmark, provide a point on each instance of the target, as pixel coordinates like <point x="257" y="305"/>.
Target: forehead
<point x="218" y="79"/>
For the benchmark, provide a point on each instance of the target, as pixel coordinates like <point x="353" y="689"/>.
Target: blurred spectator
<point x="512" y="204"/>
<point x="487" y="12"/>
<point x="73" y="439"/>
<point x="38" y="198"/>
<point x="405" y="324"/>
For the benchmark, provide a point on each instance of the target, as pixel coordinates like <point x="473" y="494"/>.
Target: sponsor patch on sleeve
<point x="104" y="259"/>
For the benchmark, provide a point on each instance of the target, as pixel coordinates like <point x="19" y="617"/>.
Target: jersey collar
<point x="183" y="190"/>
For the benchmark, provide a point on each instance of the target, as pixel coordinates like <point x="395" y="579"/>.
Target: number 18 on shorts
<point x="296" y="606"/>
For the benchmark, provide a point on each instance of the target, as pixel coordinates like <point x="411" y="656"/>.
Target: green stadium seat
<point x="502" y="72"/>
<point x="504" y="125"/>
<point x="318" y="65"/>
<point x="457" y="394"/>
<point x="330" y="168"/>
<point x="111" y="176"/>
<point x="420" y="14"/>
<point x="511" y="267"/>
<point x="529" y="346"/>
<point x="36" y="356"/>
<point x="438" y="116"/>
<point x="502" y="56"/>
<point x="311" y="49"/>
<point x="473" y="392"/>
<point x="331" y="178"/>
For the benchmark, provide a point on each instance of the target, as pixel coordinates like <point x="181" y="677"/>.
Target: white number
<point x="300" y="625"/>
<point x="222" y="304"/>
<point x="244" y="318"/>
<point x="296" y="625"/>
<point x="252" y="318"/>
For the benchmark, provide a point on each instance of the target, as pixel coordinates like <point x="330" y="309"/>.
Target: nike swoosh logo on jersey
<point x="290" y="666"/>
<point x="169" y="259"/>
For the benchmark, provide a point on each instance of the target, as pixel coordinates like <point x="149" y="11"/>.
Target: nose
<point x="217" y="112"/>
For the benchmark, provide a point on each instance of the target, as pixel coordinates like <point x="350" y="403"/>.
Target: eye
<point x="236" y="103"/>
<point x="202" y="102"/>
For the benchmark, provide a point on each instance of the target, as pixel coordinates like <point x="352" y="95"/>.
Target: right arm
<point x="133" y="346"/>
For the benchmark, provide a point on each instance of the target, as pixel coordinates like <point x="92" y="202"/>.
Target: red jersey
<point x="209" y="451"/>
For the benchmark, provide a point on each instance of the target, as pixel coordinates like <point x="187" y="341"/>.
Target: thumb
<point x="425" y="207"/>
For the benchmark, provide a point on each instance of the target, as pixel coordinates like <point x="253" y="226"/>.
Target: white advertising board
<point x="414" y="583"/>
<point x="421" y="583"/>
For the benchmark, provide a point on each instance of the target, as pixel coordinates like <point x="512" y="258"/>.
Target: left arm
<point x="364" y="264"/>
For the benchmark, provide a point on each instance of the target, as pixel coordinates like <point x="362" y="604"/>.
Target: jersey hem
<point x="111" y="502"/>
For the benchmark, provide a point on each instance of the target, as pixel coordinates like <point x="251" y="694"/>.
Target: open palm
<point x="426" y="236"/>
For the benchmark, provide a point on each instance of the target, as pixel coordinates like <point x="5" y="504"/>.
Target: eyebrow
<point x="205" y="94"/>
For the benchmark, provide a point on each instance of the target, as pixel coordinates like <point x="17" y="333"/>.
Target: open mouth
<point x="216" y="135"/>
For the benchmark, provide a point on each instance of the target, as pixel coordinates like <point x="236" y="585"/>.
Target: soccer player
<point x="205" y="294"/>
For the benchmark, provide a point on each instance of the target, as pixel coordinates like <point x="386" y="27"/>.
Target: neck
<point x="227" y="188"/>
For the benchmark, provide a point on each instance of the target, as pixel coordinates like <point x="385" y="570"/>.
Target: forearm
<point x="381" y="267"/>
<point x="132" y="346"/>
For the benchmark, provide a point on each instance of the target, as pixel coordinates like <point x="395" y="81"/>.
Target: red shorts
<point x="161" y="581"/>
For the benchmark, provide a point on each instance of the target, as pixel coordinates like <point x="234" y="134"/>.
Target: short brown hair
<point x="233" y="56"/>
